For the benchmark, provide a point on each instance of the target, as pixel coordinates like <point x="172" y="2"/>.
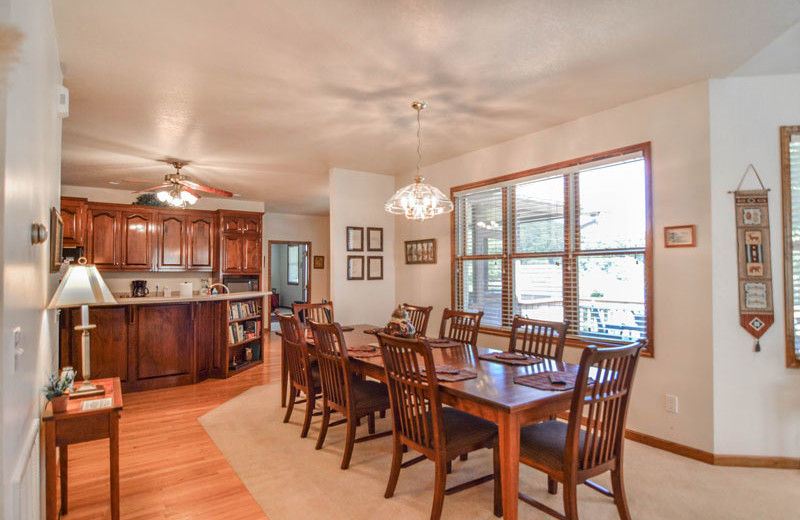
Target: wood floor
<point x="169" y="467"/>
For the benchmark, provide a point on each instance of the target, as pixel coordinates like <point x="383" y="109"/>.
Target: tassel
<point x="758" y="346"/>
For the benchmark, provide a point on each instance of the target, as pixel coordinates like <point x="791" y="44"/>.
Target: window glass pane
<point x="611" y="296"/>
<point x="538" y="289"/>
<point x="480" y="216"/>
<point x="794" y="170"/>
<point x="293" y="265"/>
<point x="612" y="206"/>
<point x="483" y="290"/>
<point x="539" y="215"/>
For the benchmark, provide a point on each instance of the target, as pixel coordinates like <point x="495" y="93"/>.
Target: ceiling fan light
<point x="188" y="197"/>
<point x="163" y="196"/>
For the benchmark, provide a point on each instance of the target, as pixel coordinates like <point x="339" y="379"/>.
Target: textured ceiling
<point x="265" y="96"/>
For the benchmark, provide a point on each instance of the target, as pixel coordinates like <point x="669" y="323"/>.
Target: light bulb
<point x="163" y="196"/>
<point x="188" y="197"/>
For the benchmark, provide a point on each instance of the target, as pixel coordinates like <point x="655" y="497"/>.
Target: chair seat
<point x="544" y="443"/>
<point x="463" y="430"/>
<point x="370" y="395"/>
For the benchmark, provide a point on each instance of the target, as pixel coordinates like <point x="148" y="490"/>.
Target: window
<point x="293" y="265"/>
<point x="569" y="241"/>
<point x="790" y="181"/>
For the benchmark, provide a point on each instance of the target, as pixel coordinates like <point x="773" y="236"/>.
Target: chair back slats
<point x="460" y="325"/>
<point x="538" y="338"/>
<point x="604" y="404"/>
<point x="414" y="398"/>
<point x="419" y="317"/>
<point x="296" y="351"/>
<point x="334" y="364"/>
<point x="319" y="312"/>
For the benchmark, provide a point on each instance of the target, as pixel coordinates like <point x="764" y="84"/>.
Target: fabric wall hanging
<point x="756" y="313"/>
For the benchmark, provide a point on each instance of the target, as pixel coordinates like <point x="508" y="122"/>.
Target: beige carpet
<point x="290" y="480"/>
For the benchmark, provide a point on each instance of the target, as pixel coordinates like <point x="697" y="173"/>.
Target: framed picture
<point x="421" y="251"/>
<point x="374" y="239"/>
<point x="355" y="238"/>
<point x="679" y="236"/>
<point x="355" y="267"/>
<point x="319" y="262"/>
<point x="374" y="268"/>
<point x="56" y="239"/>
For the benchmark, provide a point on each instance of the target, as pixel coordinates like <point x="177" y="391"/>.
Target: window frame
<point x="508" y="256"/>
<point x="786" y="133"/>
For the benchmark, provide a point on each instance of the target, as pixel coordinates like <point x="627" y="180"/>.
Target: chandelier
<point x="418" y="201"/>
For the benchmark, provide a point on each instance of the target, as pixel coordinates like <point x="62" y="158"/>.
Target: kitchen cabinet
<point x="240" y="242"/>
<point x="240" y="222"/>
<point x="73" y="214"/>
<point x="136" y="249"/>
<point x="172" y="239"/>
<point x="104" y="237"/>
<point x="201" y="240"/>
<point x="251" y="254"/>
<point x="109" y="342"/>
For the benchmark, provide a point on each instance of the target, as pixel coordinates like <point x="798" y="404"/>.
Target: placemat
<point x="347" y="328"/>
<point x="373" y="331"/>
<point x="506" y="357"/>
<point x="555" y="381"/>
<point x="450" y="374"/>
<point x="363" y="351"/>
<point x="444" y="343"/>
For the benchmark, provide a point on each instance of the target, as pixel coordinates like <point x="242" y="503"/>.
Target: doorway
<point x="288" y="276"/>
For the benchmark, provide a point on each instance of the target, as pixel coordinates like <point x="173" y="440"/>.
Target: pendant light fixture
<point x="419" y="201"/>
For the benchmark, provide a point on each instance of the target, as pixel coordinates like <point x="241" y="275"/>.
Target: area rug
<point x="290" y="480"/>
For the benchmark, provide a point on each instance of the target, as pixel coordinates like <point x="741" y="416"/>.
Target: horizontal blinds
<point x="794" y="169"/>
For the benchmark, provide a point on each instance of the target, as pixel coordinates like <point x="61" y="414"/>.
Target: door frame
<point x="307" y="263"/>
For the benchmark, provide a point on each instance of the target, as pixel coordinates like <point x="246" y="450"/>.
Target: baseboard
<point x="672" y="447"/>
<point x="753" y="461"/>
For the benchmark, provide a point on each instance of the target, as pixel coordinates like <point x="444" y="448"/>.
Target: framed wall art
<point x="374" y="268"/>
<point x="421" y="251"/>
<point x="374" y="239"/>
<point x="679" y="236"/>
<point x="355" y="267"/>
<point x="355" y="238"/>
<point x="56" y="239"/>
<point x="319" y="262"/>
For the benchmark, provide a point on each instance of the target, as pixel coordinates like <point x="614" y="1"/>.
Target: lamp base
<point x="87" y="389"/>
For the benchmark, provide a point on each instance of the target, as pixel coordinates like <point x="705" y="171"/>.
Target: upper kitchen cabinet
<point x="240" y="242"/>
<point x="172" y="234"/>
<point x="104" y="236"/>
<point x="240" y="222"/>
<point x="73" y="213"/>
<point x="201" y="229"/>
<point x="137" y="239"/>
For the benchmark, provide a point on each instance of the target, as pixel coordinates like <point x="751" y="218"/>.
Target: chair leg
<point x="351" y="439"/>
<point x="284" y="377"/>
<point x="382" y="414"/>
<point x="570" y="500"/>
<point x="498" y="490"/>
<point x="464" y="456"/>
<point x="309" y="412"/>
<point x="438" y="489"/>
<point x="552" y="486"/>
<point x="290" y="407"/>
<point x="371" y="423"/>
<point x="323" y="430"/>
<point x="619" y="493"/>
<point x="449" y="466"/>
<point x="394" y="473"/>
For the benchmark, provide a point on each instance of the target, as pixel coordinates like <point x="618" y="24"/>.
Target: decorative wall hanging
<point x="374" y="268"/>
<point x="355" y="267"/>
<point x="319" y="262"/>
<point x="421" y="251"/>
<point x="679" y="236"/>
<point x="374" y="239"/>
<point x="756" y="313"/>
<point x="355" y="238"/>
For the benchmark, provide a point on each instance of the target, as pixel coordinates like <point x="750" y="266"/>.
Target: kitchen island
<point x="157" y="342"/>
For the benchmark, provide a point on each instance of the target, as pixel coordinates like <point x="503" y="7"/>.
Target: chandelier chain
<point x="419" y="141"/>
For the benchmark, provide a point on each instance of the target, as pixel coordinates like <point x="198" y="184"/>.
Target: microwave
<point x="237" y="284"/>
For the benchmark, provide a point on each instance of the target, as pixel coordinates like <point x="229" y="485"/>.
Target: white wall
<point x="756" y="398"/>
<point x="676" y="123"/>
<point x="31" y="177"/>
<point x="357" y="199"/>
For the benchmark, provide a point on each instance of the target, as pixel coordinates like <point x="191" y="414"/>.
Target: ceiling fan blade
<point x="154" y="188"/>
<point x="190" y="191"/>
<point x="215" y="191"/>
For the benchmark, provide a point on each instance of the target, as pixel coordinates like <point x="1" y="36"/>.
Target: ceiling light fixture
<point x="419" y="201"/>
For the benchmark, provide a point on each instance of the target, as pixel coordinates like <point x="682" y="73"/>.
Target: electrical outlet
<point x="671" y="403"/>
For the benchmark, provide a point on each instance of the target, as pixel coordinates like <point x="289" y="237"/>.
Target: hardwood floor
<point x="169" y="467"/>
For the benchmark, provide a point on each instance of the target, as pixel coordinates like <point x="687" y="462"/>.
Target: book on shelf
<point x="239" y="310"/>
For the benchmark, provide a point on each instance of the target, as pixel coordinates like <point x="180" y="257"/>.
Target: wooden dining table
<point x="492" y="395"/>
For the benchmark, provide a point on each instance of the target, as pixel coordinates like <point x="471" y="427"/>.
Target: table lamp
<point x="82" y="285"/>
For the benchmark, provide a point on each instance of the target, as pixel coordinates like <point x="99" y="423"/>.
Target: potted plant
<point x="55" y="388"/>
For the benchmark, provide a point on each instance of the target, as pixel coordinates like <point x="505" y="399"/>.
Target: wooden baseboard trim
<point x="752" y="461"/>
<point x="672" y="447"/>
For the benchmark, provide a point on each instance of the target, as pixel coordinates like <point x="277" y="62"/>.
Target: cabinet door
<point x="232" y="253"/>
<point x="230" y="224"/>
<point x="73" y="213"/>
<point x="109" y="342"/>
<point x="103" y="237"/>
<point x="207" y="327"/>
<point x="165" y="342"/>
<point x="251" y="224"/>
<point x="172" y="237"/>
<point x="251" y="254"/>
<point x="137" y="241"/>
<point x="201" y="242"/>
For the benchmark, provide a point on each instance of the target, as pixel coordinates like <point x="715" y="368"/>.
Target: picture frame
<point x="56" y="239"/>
<point x="319" y="262"/>
<point x="420" y="251"/>
<point x="680" y="236"/>
<point x="355" y="238"/>
<point x="374" y="239"/>
<point x="374" y="268"/>
<point x="355" y="267"/>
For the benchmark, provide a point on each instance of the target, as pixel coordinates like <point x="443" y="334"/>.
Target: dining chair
<point x="320" y="312"/>
<point x="419" y="317"/>
<point x="351" y="396"/>
<point x="570" y="454"/>
<point x="303" y="376"/>
<point x="460" y="325"/>
<point x="421" y="423"/>
<point x="538" y="338"/>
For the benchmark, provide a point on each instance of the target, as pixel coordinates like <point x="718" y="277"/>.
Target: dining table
<point x="492" y="395"/>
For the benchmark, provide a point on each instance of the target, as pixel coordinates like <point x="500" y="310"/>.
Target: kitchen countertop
<point x="145" y="300"/>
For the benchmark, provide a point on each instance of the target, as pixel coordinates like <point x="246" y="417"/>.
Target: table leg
<point x="50" y="470"/>
<point x="63" y="455"/>
<point x="113" y="444"/>
<point x="284" y="377"/>
<point x="508" y="430"/>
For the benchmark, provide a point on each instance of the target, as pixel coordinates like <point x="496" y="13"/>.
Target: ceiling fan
<point x="179" y="190"/>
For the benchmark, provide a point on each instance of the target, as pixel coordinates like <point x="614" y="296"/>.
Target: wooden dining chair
<point x="570" y="454"/>
<point x="460" y="326"/>
<point x="342" y="392"/>
<point x="419" y="317"/>
<point x="303" y="376"/>
<point x="421" y="423"/>
<point x="538" y="338"/>
<point x="319" y="312"/>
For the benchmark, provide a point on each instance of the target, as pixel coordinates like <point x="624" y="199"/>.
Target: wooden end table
<point x="77" y="425"/>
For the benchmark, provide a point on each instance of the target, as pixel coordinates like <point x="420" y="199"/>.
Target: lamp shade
<point x="81" y="285"/>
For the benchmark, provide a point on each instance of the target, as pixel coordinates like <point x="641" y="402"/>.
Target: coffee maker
<point x="139" y="288"/>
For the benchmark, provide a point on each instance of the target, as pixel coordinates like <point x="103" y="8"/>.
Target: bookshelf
<point x="243" y="333"/>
